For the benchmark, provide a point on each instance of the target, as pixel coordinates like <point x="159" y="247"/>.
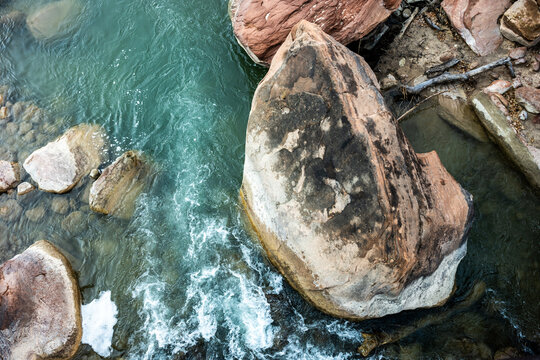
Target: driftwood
<point x="449" y="77"/>
<point x="372" y="341"/>
<point x="431" y="23"/>
<point x="406" y="113"/>
<point x="408" y="23"/>
<point x="442" y="67"/>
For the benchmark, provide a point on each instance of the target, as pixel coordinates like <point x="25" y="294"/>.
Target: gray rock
<point x="505" y="136"/>
<point x="9" y="175"/>
<point x="75" y="222"/>
<point x="60" y="205"/>
<point x="10" y="210"/>
<point x="35" y="214"/>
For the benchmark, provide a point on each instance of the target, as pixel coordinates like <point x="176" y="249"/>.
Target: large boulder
<point x="40" y="305"/>
<point x="476" y="22"/>
<point x="524" y="156"/>
<point x="261" y="26"/>
<point x="116" y="190"/>
<point x="59" y="166"/>
<point x="521" y="23"/>
<point x="9" y="175"/>
<point x="356" y="221"/>
<point x="54" y="19"/>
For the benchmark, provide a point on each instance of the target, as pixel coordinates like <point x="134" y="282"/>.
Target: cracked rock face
<point x="357" y="222"/>
<point x="262" y="26"/>
<point x="59" y="166"/>
<point x="40" y="310"/>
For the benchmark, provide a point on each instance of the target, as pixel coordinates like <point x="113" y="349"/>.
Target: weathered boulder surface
<point x="261" y="26"/>
<point x="476" y="22"/>
<point x="521" y="23"/>
<point x="58" y="166"/>
<point x="116" y="190"/>
<point x="9" y="175"/>
<point x="54" y="19"/>
<point x="40" y="305"/>
<point x="356" y="221"/>
<point x="506" y="138"/>
<point x="529" y="98"/>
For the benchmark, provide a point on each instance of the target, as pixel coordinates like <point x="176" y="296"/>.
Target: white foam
<point x="98" y="320"/>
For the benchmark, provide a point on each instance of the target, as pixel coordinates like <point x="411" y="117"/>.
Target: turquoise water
<point x="167" y="77"/>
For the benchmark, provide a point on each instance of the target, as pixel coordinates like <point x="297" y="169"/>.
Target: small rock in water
<point x="74" y="222"/>
<point x="98" y="320"/>
<point x="35" y="214"/>
<point x="94" y="174"/>
<point x="10" y="210"/>
<point x="24" y="188"/>
<point x="4" y="112"/>
<point x="9" y="175"/>
<point x="117" y="189"/>
<point x="60" y="205"/>
<point x="54" y="19"/>
<point x="407" y="13"/>
<point x="517" y="53"/>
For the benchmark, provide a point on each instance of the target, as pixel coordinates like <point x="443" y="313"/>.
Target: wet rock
<point x="75" y="222"/>
<point x="505" y="136"/>
<point x="521" y="23"/>
<point x="12" y="19"/>
<point x="60" y="205"/>
<point x="35" y="214"/>
<point x="453" y="107"/>
<point x="24" y="188"/>
<point x="58" y="166"/>
<point x="40" y="303"/>
<point x="94" y="174"/>
<point x="476" y="22"/>
<point x="54" y="19"/>
<point x="517" y="53"/>
<point x="24" y="127"/>
<point x="10" y="210"/>
<point x="9" y="175"/>
<point x="118" y="187"/>
<point x="261" y="26"/>
<point x="529" y="98"/>
<point x="337" y="194"/>
<point x="4" y="113"/>
<point x="12" y="128"/>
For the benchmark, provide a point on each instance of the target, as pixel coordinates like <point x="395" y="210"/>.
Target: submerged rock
<point x="58" y="166"/>
<point x="521" y="23"/>
<point x="506" y="137"/>
<point x="54" y="19"/>
<point x="357" y="222"/>
<point x="9" y="175"/>
<point x="118" y="187"/>
<point x="262" y="26"/>
<point x="476" y="22"/>
<point x="10" y="210"/>
<point x="40" y="305"/>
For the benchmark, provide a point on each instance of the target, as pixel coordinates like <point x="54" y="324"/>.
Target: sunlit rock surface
<point x="40" y="310"/>
<point x="262" y="26"/>
<point x="357" y="222"/>
<point x="58" y="166"/>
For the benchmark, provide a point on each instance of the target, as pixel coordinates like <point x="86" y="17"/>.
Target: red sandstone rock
<point x="261" y="26"/>
<point x="529" y="98"/>
<point x="476" y="22"/>
<point x="521" y="23"/>
<point x="40" y="310"/>
<point x="517" y="53"/>
<point x="357" y="222"/>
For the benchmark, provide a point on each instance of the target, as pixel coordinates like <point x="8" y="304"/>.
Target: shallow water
<point x="167" y="77"/>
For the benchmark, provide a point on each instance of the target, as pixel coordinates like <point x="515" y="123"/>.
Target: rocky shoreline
<point x="358" y="223"/>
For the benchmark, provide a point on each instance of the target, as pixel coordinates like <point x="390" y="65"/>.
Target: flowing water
<point x="188" y="279"/>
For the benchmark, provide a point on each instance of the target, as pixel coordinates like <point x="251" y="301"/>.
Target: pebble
<point x="498" y="86"/>
<point x="4" y="113"/>
<point x="407" y="13"/>
<point x="35" y="214"/>
<point x="17" y="109"/>
<point x="25" y="127"/>
<point x="523" y="115"/>
<point x="517" y="53"/>
<point x="516" y="83"/>
<point x="536" y="65"/>
<point x="402" y="62"/>
<point x="94" y="174"/>
<point x="60" y="204"/>
<point x="446" y="57"/>
<point x="24" y="188"/>
<point x="10" y="210"/>
<point x="388" y="82"/>
<point x="11" y="128"/>
<point x="74" y="222"/>
<point x="520" y="61"/>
